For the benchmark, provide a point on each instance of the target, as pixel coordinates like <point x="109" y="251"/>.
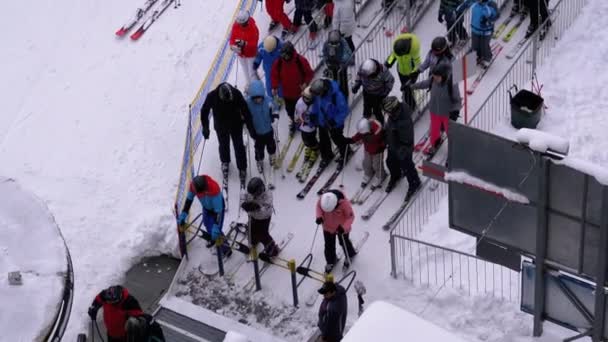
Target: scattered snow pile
<point x="30" y="242"/>
<point x="595" y="170"/>
<point x="541" y="141"/>
<point x="464" y="178"/>
<point x="386" y="322"/>
<point x="232" y="336"/>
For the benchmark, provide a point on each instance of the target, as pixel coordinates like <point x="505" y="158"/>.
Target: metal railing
<point x="417" y="215"/>
<point x="65" y="307"/>
<point x="425" y="264"/>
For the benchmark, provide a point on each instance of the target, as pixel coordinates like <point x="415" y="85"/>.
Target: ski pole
<point x="249" y="154"/>
<point x="201" y="159"/>
<point x="344" y="248"/>
<point x="313" y="239"/>
<point x="345" y="153"/>
<point x="92" y="332"/>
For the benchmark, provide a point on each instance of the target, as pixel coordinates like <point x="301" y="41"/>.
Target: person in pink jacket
<point x="335" y="213"/>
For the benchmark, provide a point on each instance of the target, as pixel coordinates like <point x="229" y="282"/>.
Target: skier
<point x="144" y="329"/>
<point x="269" y="51"/>
<point x="261" y="109"/>
<point x="377" y="82"/>
<point x="329" y="113"/>
<point x="277" y="16"/>
<point x="230" y="111"/>
<point x="304" y="10"/>
<point x="483" y="16"/>
<point x="444" y="102"/>
<point x="118" y="305"/>
<point x="210" y="195"/>
<point x="406" y="52"/>
<point x="332" y="312"/>
<point x="399" y="134"/>
<point x="336" y="56"/>
<point x="244" y="41"/>
<point x="440" y="53"/>
<point x="538" y="10"/>
<point x="344" y="21"/>
<point x="292" y="73"/>
<point x="371" y="134"/>
<point x="257" y="202"/>
<point x="308" y="129"/>
<point x="335" y="213"/>
<point x="328" y="10"/>
<point x="454" y="23"/>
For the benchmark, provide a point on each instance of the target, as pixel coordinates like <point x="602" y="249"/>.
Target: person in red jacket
<point x="244" y="41"/>
<point x="277" y="16"/>
<point x="370" y="132"/>
<point x="335" y="213"/>
<point x="292" y="73"/>
<point x="118" y="305"/>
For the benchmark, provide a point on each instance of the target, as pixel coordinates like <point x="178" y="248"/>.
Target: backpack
<point x="298" y="62"/>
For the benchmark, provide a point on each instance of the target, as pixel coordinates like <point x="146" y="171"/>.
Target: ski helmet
<point x="135" y="328"/>
<point x="329" y="201"/>
<point x="270" y="43"/>
<point x="113" y="294"/>
<point x="364" y="126"/>
<point x="443" y="70"/>
<point x="200" y="183"/>
<point x="390" y="104"/>
<point x="256" y="186"/>
<point x="307" y="96"/>
<point x="369" y="67"/>
<point x="439" y="44"/>
<point x="334" y="37"/>
<point x="288" y="50"/>
<point x="319" y="87"/>
<point x="242" y="17"/>
<point x="225" y="92"/>
<point x="402" y="46"/>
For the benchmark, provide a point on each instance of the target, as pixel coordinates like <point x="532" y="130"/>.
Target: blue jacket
<point x="266" y="59"/>
<point x="483" y="16"/>
<point x="261" y="113"/>
<point x="336" y="56"/>
<point x="330" y="110"/>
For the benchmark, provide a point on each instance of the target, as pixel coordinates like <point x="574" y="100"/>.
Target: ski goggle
<point x="258" y="99"/>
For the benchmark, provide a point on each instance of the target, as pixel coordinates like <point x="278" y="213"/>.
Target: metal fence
<point x="425" y="264"/>
<point x="419" y="211"/>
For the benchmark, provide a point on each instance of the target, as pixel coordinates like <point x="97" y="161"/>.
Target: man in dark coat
<point x="230" y="111"/>
<point x="118" y="305"/>
<point x="399" y="130"/>
<point x="332" y="312"/>
<point x="144" y="329"/>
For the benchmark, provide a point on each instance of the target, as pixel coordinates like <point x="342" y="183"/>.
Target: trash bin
<point x="526" y="108"/>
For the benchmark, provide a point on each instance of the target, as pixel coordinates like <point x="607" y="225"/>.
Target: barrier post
<point x="294" y="287"/>
<point x="256" y="268"/>
<point x="220" y="262"/>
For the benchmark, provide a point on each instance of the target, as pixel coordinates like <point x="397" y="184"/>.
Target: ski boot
<point x="329" y="268"/>
<point x="377" y="182"/>
<point x="243" y="178"/>
<point x="292" y="128"/>
<point x="260" y="166"/>
<point x="365" y="181"/>
<point x="272" y="160"/>
<point x="413" y="187"/>
<point x="392" y="183"/>
<point x="225" y="169"/>
<point x="325" y="162"/>
<point x="272" y="250"/>
<point x="530" y="31"/>
<point x="272" y="25"/>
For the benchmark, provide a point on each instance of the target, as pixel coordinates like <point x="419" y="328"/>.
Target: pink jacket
<point x="343" y="215"/>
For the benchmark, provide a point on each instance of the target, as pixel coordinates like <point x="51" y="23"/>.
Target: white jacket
<point x="344" y="17"/>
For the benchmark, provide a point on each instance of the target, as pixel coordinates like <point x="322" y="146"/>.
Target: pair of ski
<point x="496" y="50"/>
<point x="364" y="192"/>
<point x="315" y="177"/>
<point x="235" y="242"/>
<point x="307" y="164"/>
<point x="503" y="26"/>
<point x="250" y="285"/>
<point x="312" y="298"/>
<point x="141" y="13"/>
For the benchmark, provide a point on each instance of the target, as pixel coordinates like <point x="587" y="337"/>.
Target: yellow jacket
<point x="407" y="63"/>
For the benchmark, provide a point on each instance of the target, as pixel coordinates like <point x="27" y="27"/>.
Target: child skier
<point x="370" y="132"/>
<point x="335" y="213"/>
<point x="439" y="53"/>
<point x="307" y="128"/>
<point x="257" y="202"/>
<point x="483" y="16"/>
<point x="377" y="82"/>
<point x="261" y="108"/>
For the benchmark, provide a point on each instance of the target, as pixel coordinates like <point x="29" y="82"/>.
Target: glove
<point x="405" y="87"/>
<point x="440" y="18"/>
<point x="206" y="133"/>
<point x="319" y="220"/>
<point x="240" y="43"/>
<point x="355" y="88"/>
<point x="274" y="117"/>
<point x="454" y="115"/>
<point x="93" y="312"/>
<point x="485" y="21"/>
<point x="331" y="123"/>
<point x="215" y="233"/>
<point x="414" y="75"/>
<point x="250" y="206"/>
<point x="340" y="230"/>
<point x="182" y="218"/>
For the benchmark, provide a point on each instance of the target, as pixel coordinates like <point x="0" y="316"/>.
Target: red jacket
<point x="213" y="188"/>
<point x="115" y="315"/>
<point x="249" y="34"/>
<point x="343" y="215"/>
<point x="373" y="143"/>
<point x="292" y="75"/>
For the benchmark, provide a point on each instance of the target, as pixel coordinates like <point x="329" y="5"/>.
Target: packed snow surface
<point x="30" y="242"/>
<point x="465" y="178"/>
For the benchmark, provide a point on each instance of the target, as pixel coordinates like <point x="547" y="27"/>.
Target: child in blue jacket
<point x="262" y="108"/>
<point x="484" y="14"/>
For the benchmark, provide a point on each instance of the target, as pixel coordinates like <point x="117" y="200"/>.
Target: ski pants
<point x="116" y="339"/>
<point x="537" y="8"/>
<point x="277" y="13"/>
<point x="310" y="139"/>
<point x="399" y="166"/>
<point x="330" y="246"/>
<point x="437" y="122"/>
<point x="290" y="107"/>
<point x="265" y="141"/>
<point x="340" y="75"/>
<point x="259" y="233"/>
<point x="372" y="105"/>
<point x="408" y="93"/>
<point x="210" y="219"/>
<point x="455" y="28"/>
<point x="247" y="66"/>
<point x="326" y="136"/>
<point x="308" y="19"/>
<point x="481" y="45"/>
<point x="373" y="165"/>
<point x="236" y="134"/>
<point x="351" y="45"/>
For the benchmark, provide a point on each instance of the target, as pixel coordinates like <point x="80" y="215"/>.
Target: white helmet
<point x="329" y="201"/>
<point x="369" y="67"/>
<point x="270" y="43"/>
<point x="364" y="126"/>
<point x="242" y="17"/>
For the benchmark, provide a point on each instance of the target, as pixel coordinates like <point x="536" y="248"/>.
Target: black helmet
<point x="200" y="183"/>
<point x="112" y="294"/>
<point x="442" y="69"/>
<point x="288" y="50"/>
<point x="439" y="44"/>
<point x="319" y="87"/>
<point x="402" y="46"/>
<point x="390" y="104"/>
<point x="334" y="37"/>
<point x="256" y="186"/>
<point x="225" y="92"/>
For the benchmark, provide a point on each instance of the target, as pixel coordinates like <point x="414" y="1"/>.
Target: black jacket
<point x="305" y="5"/>
<point x="332" y="314"/>
<point x="226" y="115"/>
<point x="399" y="131"/>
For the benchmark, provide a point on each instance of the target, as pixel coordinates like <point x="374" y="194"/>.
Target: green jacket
<point x="407" y="63"/>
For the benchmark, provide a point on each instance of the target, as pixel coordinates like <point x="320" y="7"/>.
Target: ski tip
<point x="121" y="32"/>
<point x="137" y="34"/>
